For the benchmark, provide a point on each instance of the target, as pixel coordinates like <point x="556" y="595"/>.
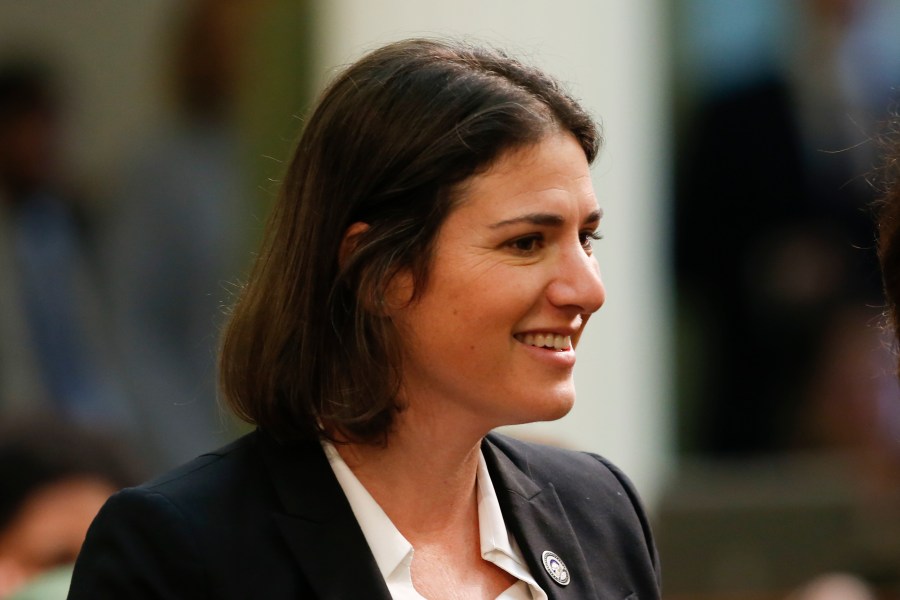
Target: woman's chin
<point x="550" y="408"/>
<point x="559" y="410"/>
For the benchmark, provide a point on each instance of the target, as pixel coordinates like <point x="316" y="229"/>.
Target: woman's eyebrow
<point x="543" y="219"/>
<point x="546" y="219"/>
<point x="594" y="217"/>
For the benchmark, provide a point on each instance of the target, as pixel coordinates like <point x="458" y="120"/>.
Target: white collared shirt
<point x="393" y="553"/>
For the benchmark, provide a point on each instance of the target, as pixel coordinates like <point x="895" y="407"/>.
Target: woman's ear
<point x="396" y="294"/>
<point x="350" y="241"/>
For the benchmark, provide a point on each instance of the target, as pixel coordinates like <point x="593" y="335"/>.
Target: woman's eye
<point x="528" y="243"/>
<point x="588" y="238"/>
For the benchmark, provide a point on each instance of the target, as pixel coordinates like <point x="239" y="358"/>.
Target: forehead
<point x="552" y="174"/>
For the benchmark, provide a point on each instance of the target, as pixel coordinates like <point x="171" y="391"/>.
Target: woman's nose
<point x="577" y="283"/>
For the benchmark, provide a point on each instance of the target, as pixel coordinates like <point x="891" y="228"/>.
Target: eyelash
<point x="589" y="237"/>
<point x="585" y="237"/>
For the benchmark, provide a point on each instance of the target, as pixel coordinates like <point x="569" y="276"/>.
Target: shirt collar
<point x="388" y="545"/>
<point x="492" y="527"/>
<point x="393" y="552"/>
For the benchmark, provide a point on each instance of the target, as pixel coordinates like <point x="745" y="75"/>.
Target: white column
<point x="612" y="55"/>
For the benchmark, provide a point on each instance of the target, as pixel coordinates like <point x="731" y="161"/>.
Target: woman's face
<point x="491" y="339"/>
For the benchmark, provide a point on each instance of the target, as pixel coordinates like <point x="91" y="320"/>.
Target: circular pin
<point x="555" y="567"/>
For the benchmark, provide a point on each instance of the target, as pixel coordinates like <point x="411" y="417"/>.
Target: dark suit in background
<point x="262" y="520"/>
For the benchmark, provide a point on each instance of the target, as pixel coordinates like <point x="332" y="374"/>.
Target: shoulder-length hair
<point x="308" y="352"/>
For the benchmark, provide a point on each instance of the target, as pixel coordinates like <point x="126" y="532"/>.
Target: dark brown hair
<point x="307" y="352"/>
<point x="888" y="182"/>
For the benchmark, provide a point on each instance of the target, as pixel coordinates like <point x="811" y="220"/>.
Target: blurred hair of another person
<point x="178" y="235"/>
<point x="888" y="181"/>
<point x="55" y="347"/>
<point x="775" y="245"/>
<point x="54" y="477"/>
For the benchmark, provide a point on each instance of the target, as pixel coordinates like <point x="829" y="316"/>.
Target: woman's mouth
<point x="550" y="341"/>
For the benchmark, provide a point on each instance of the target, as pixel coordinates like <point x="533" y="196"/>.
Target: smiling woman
<point x="425" y="278"/>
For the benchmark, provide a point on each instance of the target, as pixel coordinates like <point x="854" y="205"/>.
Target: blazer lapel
<point x="539" y="523"/>
<point x="318" y="524"/>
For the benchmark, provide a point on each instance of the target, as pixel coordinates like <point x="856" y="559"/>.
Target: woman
<point x="424" y="279"/>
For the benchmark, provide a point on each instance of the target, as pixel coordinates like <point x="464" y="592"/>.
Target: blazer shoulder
<point x="212" y="468"/>
<point x="140" y="545"/>
<point x="562" y="468"/>
<point x="178" y="536"/>
<point x="574" y="474"/>
<point x="593" y="491"/>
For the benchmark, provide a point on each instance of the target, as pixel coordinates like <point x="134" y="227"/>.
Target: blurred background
<point x="737" y="371"/>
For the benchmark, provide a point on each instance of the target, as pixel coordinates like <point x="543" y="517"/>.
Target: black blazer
<point x="266" y="521"/>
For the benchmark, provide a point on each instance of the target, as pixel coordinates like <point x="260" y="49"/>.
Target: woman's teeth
<point x="546" y="340"/>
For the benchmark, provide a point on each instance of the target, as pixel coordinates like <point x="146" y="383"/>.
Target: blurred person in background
<point x="178" y="235"/>
<point x="847" y="586"/>
<point x="54" y="477"/>
<point x="776" y="263"/>
<point x="55" y="345"/>
<point x="792" y="419"/>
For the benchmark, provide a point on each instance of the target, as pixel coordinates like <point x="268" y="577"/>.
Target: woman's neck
<point x="424" y="478"/>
